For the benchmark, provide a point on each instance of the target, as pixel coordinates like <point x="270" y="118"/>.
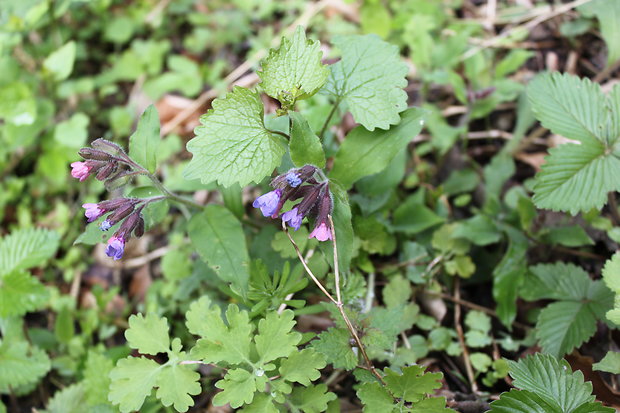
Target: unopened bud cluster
<point x="315" y="201"/>
<point x="107" y="162"/>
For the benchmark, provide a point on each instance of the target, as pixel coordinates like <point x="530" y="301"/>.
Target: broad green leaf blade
<point x="219" y="239"/>
<point x="294" y="70"/>
<point x="238" y="387"/>
<point x="345" y="238"/>
<point x="177" y="384"/>
<point x="26" y="248"/>
<point x="311" y="399"/>
<point x="610" y="363"/>
<point x="375" y="398"/>
<point x="552" y="380"/>
<point x="302" y="366"/>
<point x="569" y="106"/>
<point x="522" y="401"/>
<point x="60" y="62"/>
<point x="149" y="335"/>
<point x="413" y="384"/>
<point x="365" y="153"/>
<point x="431" y="405"/>
<point x="232" y="145"/>
<point x="594" y="407"/>
<point x="334" y="345"/>
<point x="275" y="338"/>
<point x="72" y="132"/>
<point x="577" y="178"/>
<point x="370" y="79"/>
<point x="21" y="364"/>
<point x="144" y="142"/>
<point x="20" y="293"/>
<point x="557" y="281"/>
<point x="133" y="379"/>
<point x="305" y="146"/>
<point x="564" y="325"/>
<point x="262" y="403"/>
<point x="221" y="342"/>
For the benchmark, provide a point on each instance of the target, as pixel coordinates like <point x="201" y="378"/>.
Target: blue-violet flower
<point x="92" y="211"/>
<point x="293" y="218"/>
<point x="268" y="203"/>
<point x="115" y="248"/>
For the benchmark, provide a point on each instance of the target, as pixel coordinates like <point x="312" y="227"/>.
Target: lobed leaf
<point x="177" y="383"/>
<point x="133" y="379"/>
<point x="275" y="338"/>
<point x="149" y="335"/>
<point x="302" y="366"/>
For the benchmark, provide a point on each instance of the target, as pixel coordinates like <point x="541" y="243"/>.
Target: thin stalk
<point x="337" y="301"/>
<point x="329" y="117"/>
<point x="277" y="132"/>
<point x="171" y="195"/>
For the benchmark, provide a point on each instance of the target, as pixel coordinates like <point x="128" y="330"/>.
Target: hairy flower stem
<point x="337" y="301"/>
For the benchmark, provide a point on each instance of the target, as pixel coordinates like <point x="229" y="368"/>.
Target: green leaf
<point x="558" y="281"/>
<point x="26" y="248"/>
<point x="219" y="239"/>
<point x="611" y="273"/>
<point x="552" y="380"/>
<point x="570" y="236"/>
<point x="311" y="399"/>
<point x="197" y="314"/>
<point x="21" y="364"/>
<point x="275" y="339"/>
<point x="238" y="387"/>
<point x="305" y="146"/>
<point x="564" y="325"/>
<point x="221" y="342"/>
<point x="18" y="106"/>
<point x="302" y="366"/>
<point x="149" y="335"/>
<point x="72" y="132"/>
<point x="345" y="237"/>
<point x="177" y="384"/>
<point x="569" y="106"/>
<point x="97" y="378"/>
<point x="610" y="363"/>
<point x="334" y="345"/>
<point x="413" y="384"/>
<point x="20" y="293"/>
<point x="233" y="145"/>
<point x="577" y="177"/>
<point x="431" y="405"/>
<point x="369" y="79"/>
<point x="133" y="379"/>
<point x="375" y="398"/>
<point x="71" y="399"/>
<point x="60" y="62"/>
<point x="262" y="403"/>
<point x="522" y="401"/>
<point x="397" y="292"/>
<point x="294" y="70"/>
<point x="608" y="14"/>
<point x="508" y="276"/>
<point x="365" y="153"/>
<point x="143" y="143"/>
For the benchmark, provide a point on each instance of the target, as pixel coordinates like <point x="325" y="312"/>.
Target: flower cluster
<point x="107" y="161"/>
<point x="315" y="201"/>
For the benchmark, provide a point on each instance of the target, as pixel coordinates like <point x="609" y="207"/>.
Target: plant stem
<point x="277" y="132"/>
<point x="329" y="117"/>
<point x="337" y="302"/>
<point x="459" y="331"/>
<point x="171" y="195"/>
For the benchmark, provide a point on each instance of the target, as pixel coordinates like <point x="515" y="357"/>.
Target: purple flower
<point x="80" y="170"/>
<point x="93" y="211"/>
<point x="293" y="180"/>
<point x="115" y="248"/>
<point x="105" y="225"/>
<point x="322" y="232"/>
<point x="293" y="218"/>
<point x="268" y="203"/>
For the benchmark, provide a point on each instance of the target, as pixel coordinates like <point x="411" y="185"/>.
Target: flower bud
<point x="106" y="171"/>
<point x="90" y="153"/>
<point x="139" y="231"/>
<point x="121" y="212"/>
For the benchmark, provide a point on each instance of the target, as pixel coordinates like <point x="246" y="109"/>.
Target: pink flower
<point x="321" y="232"/>
<point x="115" y="248"/>
<point x="92" y="211"/>
<point x="80" y="170"/>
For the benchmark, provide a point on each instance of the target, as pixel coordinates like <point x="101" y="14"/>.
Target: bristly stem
<point x="329" y="118"/>
<point x="337" y="301"/>
<point x="168" y="194"/>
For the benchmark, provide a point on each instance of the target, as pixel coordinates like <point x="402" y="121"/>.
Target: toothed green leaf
<point x="232" y="145"/>
<point x="149" y="335"/>
<point x="369" y="79"/>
